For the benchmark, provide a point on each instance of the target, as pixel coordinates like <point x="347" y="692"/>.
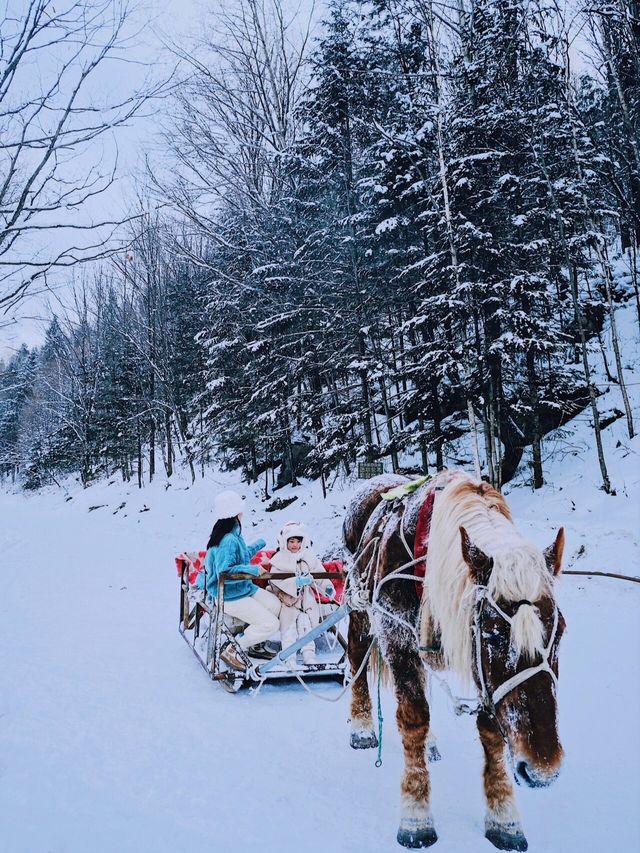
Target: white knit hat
<point x="291" y="529"/>
<point x="227" y="504"/>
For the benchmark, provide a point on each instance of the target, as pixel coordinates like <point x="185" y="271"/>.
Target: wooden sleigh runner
<point x="207" y="629"/>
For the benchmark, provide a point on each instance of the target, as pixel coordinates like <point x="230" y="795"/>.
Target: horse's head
<point x="517" y="628"/>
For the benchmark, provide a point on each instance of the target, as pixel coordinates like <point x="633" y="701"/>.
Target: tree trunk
<point x="139" y="450"/>
<point x="437" y="426"/>
<point x="606" y="270"/>
<point x="538" y="479"/>
<point x="167" y="427"/>
<point x="488" y="441"/>
<point x="152" y="448"/>
<point x="390" y="430"/>
<point x="254" y="465"/>
<point x="474" y="439"/>
<point x="366" y="403"/>
<point x="606" y="485"/>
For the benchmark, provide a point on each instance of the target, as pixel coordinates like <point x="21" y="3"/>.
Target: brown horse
<point x="488" y="613"/>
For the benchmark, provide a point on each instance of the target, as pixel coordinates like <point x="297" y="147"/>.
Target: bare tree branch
<point x="52" y="111"/>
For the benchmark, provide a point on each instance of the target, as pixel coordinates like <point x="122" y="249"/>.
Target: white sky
<point x="158" y="21"/>
<point x="153" y="21"/>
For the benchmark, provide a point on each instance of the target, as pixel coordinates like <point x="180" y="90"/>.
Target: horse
<point x="487" y="613"/>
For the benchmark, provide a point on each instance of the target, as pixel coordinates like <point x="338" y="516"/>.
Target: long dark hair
<point x="220" y="529"/>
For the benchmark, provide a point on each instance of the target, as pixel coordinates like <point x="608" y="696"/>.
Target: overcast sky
<point x="156" y="22"/>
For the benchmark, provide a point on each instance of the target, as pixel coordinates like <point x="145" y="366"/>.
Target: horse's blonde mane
<point x="519" y="571"/>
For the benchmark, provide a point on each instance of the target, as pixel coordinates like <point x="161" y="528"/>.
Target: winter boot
<point x="261" y="652"/>
<point x="230" y="656"/>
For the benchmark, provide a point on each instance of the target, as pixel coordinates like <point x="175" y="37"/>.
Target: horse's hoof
<point x="363" y="740"/>
<point x="418" y="837"/>
<point x="434" y="753"/>
<point x="505" y="840"/>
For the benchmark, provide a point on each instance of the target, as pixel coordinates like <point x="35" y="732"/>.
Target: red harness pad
<point x="421" y="541"/>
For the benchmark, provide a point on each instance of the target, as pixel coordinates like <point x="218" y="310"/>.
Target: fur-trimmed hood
<point x="290" y="529"/>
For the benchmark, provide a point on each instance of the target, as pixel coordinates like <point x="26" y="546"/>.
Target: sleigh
<point x="207" y="629"/>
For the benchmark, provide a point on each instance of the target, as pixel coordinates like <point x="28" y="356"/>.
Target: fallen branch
<point x="604" y="575"/>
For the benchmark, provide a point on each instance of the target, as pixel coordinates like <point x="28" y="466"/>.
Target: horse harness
<point x="488" y="700"/>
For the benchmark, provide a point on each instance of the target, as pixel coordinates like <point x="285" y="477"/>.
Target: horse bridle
<point x="489" y="701"/>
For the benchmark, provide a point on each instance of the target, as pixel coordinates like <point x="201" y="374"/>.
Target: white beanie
<point x="291" y="529"/>
<point x="227" y="504"/>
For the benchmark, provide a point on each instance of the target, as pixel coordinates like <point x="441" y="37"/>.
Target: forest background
<point x="357" y="242"/>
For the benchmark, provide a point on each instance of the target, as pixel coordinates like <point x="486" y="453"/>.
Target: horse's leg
<point x="502" y="821"/>
<point x="359" y="640"/>
<point x="433" y="752"/>
<point x="427" y="640"/>
<point x="416" y="823"/>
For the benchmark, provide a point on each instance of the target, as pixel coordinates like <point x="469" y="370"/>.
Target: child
<point x="300" y="612"/>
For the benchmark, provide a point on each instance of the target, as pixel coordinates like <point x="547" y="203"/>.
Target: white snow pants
<point x="295" y="622"/>
<point x="260" y="611"/>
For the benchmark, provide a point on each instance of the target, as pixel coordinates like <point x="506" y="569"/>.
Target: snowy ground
<point x="112" y="739"/>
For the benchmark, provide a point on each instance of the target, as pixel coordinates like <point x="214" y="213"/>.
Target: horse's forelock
<point x="483" y="495"/>
<point x="527" y="633"/>
<point x="519" y="571"/>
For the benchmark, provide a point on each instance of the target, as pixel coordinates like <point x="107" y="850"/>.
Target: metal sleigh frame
<point x="206" y="641"/>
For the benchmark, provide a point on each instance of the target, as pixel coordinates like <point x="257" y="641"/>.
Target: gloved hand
<point x="329" y="589"/>
<point x="303" y="580"/>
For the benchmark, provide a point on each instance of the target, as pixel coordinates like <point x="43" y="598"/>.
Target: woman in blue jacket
<point x="228" y="552"/>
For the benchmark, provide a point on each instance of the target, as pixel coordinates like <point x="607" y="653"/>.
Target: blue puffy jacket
<point x="232" y="555"/>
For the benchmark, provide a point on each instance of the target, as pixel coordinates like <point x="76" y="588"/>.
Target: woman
<point x="227" y="552"/>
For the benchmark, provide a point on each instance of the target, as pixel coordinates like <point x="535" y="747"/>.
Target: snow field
<point x="112" y="739"/>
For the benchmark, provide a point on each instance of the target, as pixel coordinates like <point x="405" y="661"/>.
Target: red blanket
<point x="194" y="561"/>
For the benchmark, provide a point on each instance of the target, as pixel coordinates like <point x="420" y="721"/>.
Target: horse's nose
<point x="535" y="777"/>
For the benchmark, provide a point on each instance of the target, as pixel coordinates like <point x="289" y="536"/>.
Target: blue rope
<point x="379" y="759"/>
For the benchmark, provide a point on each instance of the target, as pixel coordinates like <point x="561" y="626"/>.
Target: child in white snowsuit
<point x="300" y="611"/>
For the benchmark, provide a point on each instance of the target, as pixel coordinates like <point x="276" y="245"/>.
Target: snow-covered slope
<point x="112" y="739"/>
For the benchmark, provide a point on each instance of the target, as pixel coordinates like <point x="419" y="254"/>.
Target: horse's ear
<point x="553" y="554"/>
<point x="479" y="564"/>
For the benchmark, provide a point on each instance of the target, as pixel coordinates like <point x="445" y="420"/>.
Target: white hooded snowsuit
<point x="304" y="614"/>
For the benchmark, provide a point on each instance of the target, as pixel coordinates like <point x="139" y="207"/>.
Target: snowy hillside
<point x="113" y="740"/>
